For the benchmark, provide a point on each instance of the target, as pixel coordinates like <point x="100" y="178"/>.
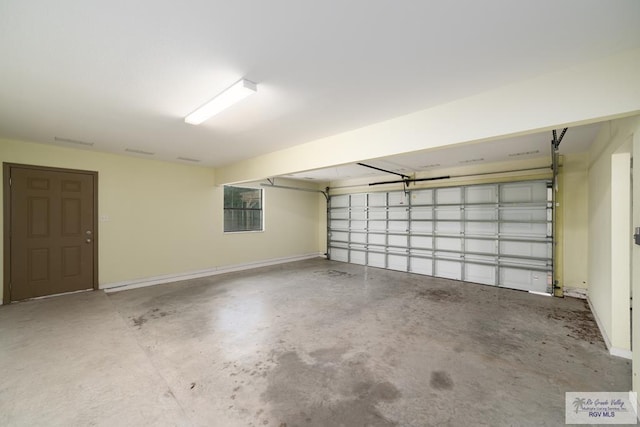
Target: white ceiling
<point x="123" y="74"/>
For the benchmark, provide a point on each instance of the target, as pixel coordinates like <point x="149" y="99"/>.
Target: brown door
<point x="52" y="231"/>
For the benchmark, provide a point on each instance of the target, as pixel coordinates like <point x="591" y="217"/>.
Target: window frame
<point x="261" y="210"/>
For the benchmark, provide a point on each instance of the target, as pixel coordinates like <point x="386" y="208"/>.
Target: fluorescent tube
<point x="224" y="100"/>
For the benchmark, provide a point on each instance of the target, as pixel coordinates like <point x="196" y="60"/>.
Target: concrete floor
<point x="312" y="343"/>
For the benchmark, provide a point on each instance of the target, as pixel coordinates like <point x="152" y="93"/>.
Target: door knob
<point x="88" y="240"/>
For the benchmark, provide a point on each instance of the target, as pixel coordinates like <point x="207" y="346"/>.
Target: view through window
<point x="242" y="209"/>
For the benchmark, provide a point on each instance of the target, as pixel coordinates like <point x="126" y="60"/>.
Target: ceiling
<point x="534" y="146"/>
<point x="118" y="75"/>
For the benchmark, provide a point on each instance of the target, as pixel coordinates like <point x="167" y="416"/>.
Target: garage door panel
<point x="382" y="249"/>
<point x="524" y="230"/>
<point x="377" y="239"/>
<point x="396" y="240"/>
<point x="358" y="225"/>
<point x="523" y="214"/>
<point x="339" y="224"/>
<point x="397" y="198"/>
<point x="398" y="213"/>
<point x="424" y="242"/>
<point x="377" y="199"/>
<point x="341" y="201"/>
<point x="422" y="226"/>
<point x="490" y="233"/>
<point x="526" y="280"/>
<point x="523" y="192"/>
<point x="359" y="237"/>
<point x="339" y="254"/>
<point x="528" y="249"/>
<point x="452" y="195"/>
<point x="481" y="213"/>
<point x="421" y="266"/>
<point x="422" y="197"/>
<point x="449" y="244"/>
<point x="377" y="260"/>
<point x="377" y="213"/>
<point x="358" y="215"/>
<point x="398" y="226"/>
<point x="341" y="236"/>
<point x="449" y="212"/>
<point x="482" y="228"/>
<point x="523" y="262"/>
<point x="340" y="214"/>
<point x="421" y="213"/>
<point x="480" y="194"/>
<point x="397" y="262"/>
<point x="448" y="269"/>
<point x="477" y="273"/>
<point x="358" y="200"/>
<point x="451" y="227"/>
<point x="480" y="246"/>
<point x="377" y="225"/>
<point x="358" y="257"/>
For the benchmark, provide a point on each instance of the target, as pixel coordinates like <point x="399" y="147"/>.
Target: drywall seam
<point x="157" y="280"/>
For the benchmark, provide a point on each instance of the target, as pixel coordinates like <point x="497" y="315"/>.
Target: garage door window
<point x="242" y="209"/>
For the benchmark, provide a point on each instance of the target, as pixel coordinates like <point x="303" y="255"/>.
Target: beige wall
<point x="608" y="291"/>
<point x="166" y="218"/>
<point x="573" y="177"/>
<point x="635" y="272"/>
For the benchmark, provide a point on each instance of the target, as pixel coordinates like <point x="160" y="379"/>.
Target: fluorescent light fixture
<point x="240" y="90"/>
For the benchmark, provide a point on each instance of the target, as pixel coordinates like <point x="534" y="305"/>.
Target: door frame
<point x="6" y="296"/>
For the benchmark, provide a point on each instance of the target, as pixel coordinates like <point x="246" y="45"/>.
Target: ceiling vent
<point x="471" y="161"/>
<point x="133" y="150"/>
<point x="74" y="141"/>
<point x="524" y="153"/>
<point x="188" y="159"/>
<point x="433" y="165"/>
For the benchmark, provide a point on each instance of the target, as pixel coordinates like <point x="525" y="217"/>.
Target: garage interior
<point x="417" y="217"/>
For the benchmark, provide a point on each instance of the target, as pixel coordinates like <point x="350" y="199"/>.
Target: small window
<point x="242" y="209"/>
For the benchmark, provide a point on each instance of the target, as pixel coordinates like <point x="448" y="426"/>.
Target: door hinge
<point x="9" y="181"/>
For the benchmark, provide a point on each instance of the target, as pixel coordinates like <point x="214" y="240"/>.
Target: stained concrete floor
<point x="312" y="343"/>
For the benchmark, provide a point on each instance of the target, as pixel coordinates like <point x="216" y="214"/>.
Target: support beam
<point x="595" y="91"/>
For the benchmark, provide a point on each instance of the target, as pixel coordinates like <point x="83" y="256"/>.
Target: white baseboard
<point x="620" y="352"/>
<point x="157" y="280"/>
<point x="607" y="341"/>
<point x="614" y="351"/>
<point x="575" y="293"/>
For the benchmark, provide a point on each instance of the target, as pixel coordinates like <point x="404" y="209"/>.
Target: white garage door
<point x="497" y="234"/>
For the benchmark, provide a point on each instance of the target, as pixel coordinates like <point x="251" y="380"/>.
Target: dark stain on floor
<point x="335" y="274"/>
<point x="154" y="313"/>
<point x="440" y="295"/>
<point x="580" y="323"/>
<point x="334" y="389"/>
<point x="441" y="380"/>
